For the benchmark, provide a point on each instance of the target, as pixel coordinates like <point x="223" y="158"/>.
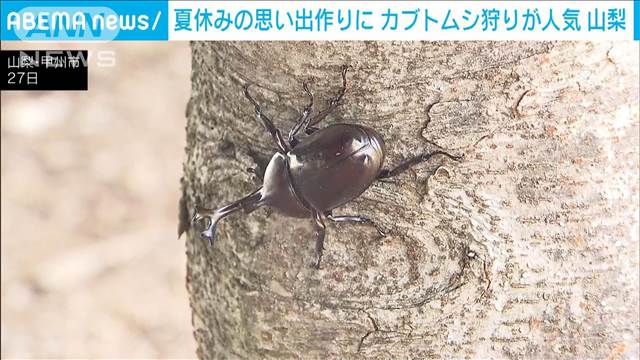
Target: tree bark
<point x="526" y="248"/>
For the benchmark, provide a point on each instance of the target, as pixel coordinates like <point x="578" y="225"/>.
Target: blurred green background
<point x="91" y="265"/>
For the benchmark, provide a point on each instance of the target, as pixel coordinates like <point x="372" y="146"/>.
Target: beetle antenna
<point x="213" y="216"/>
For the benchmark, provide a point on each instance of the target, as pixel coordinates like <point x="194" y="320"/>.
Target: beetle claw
<point x="210" y="230"/>
<point x="199" y="213"/>
<point x="196" y="217"/>
<point x="208" y="234"/>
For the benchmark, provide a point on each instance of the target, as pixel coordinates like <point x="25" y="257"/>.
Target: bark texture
<point x="528" y="248"/>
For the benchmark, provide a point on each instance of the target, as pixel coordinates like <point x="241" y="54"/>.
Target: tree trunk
<point x="526" y="248"/>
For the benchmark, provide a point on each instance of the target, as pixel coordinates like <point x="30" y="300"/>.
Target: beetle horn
<point x="248" y="204"/>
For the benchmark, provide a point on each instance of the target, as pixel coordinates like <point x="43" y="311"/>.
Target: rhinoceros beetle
<point x="309" y="177"/>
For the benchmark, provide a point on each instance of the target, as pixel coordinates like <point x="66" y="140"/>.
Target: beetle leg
<point x="333" y="103"/>
<point x="303" y="120"/>
<point x="268" y="124"/>
<point x="319" y="223"/>
<point x="405" y="165"/>
<point x="247" y="203"/>
<point x="356" y="219"/>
